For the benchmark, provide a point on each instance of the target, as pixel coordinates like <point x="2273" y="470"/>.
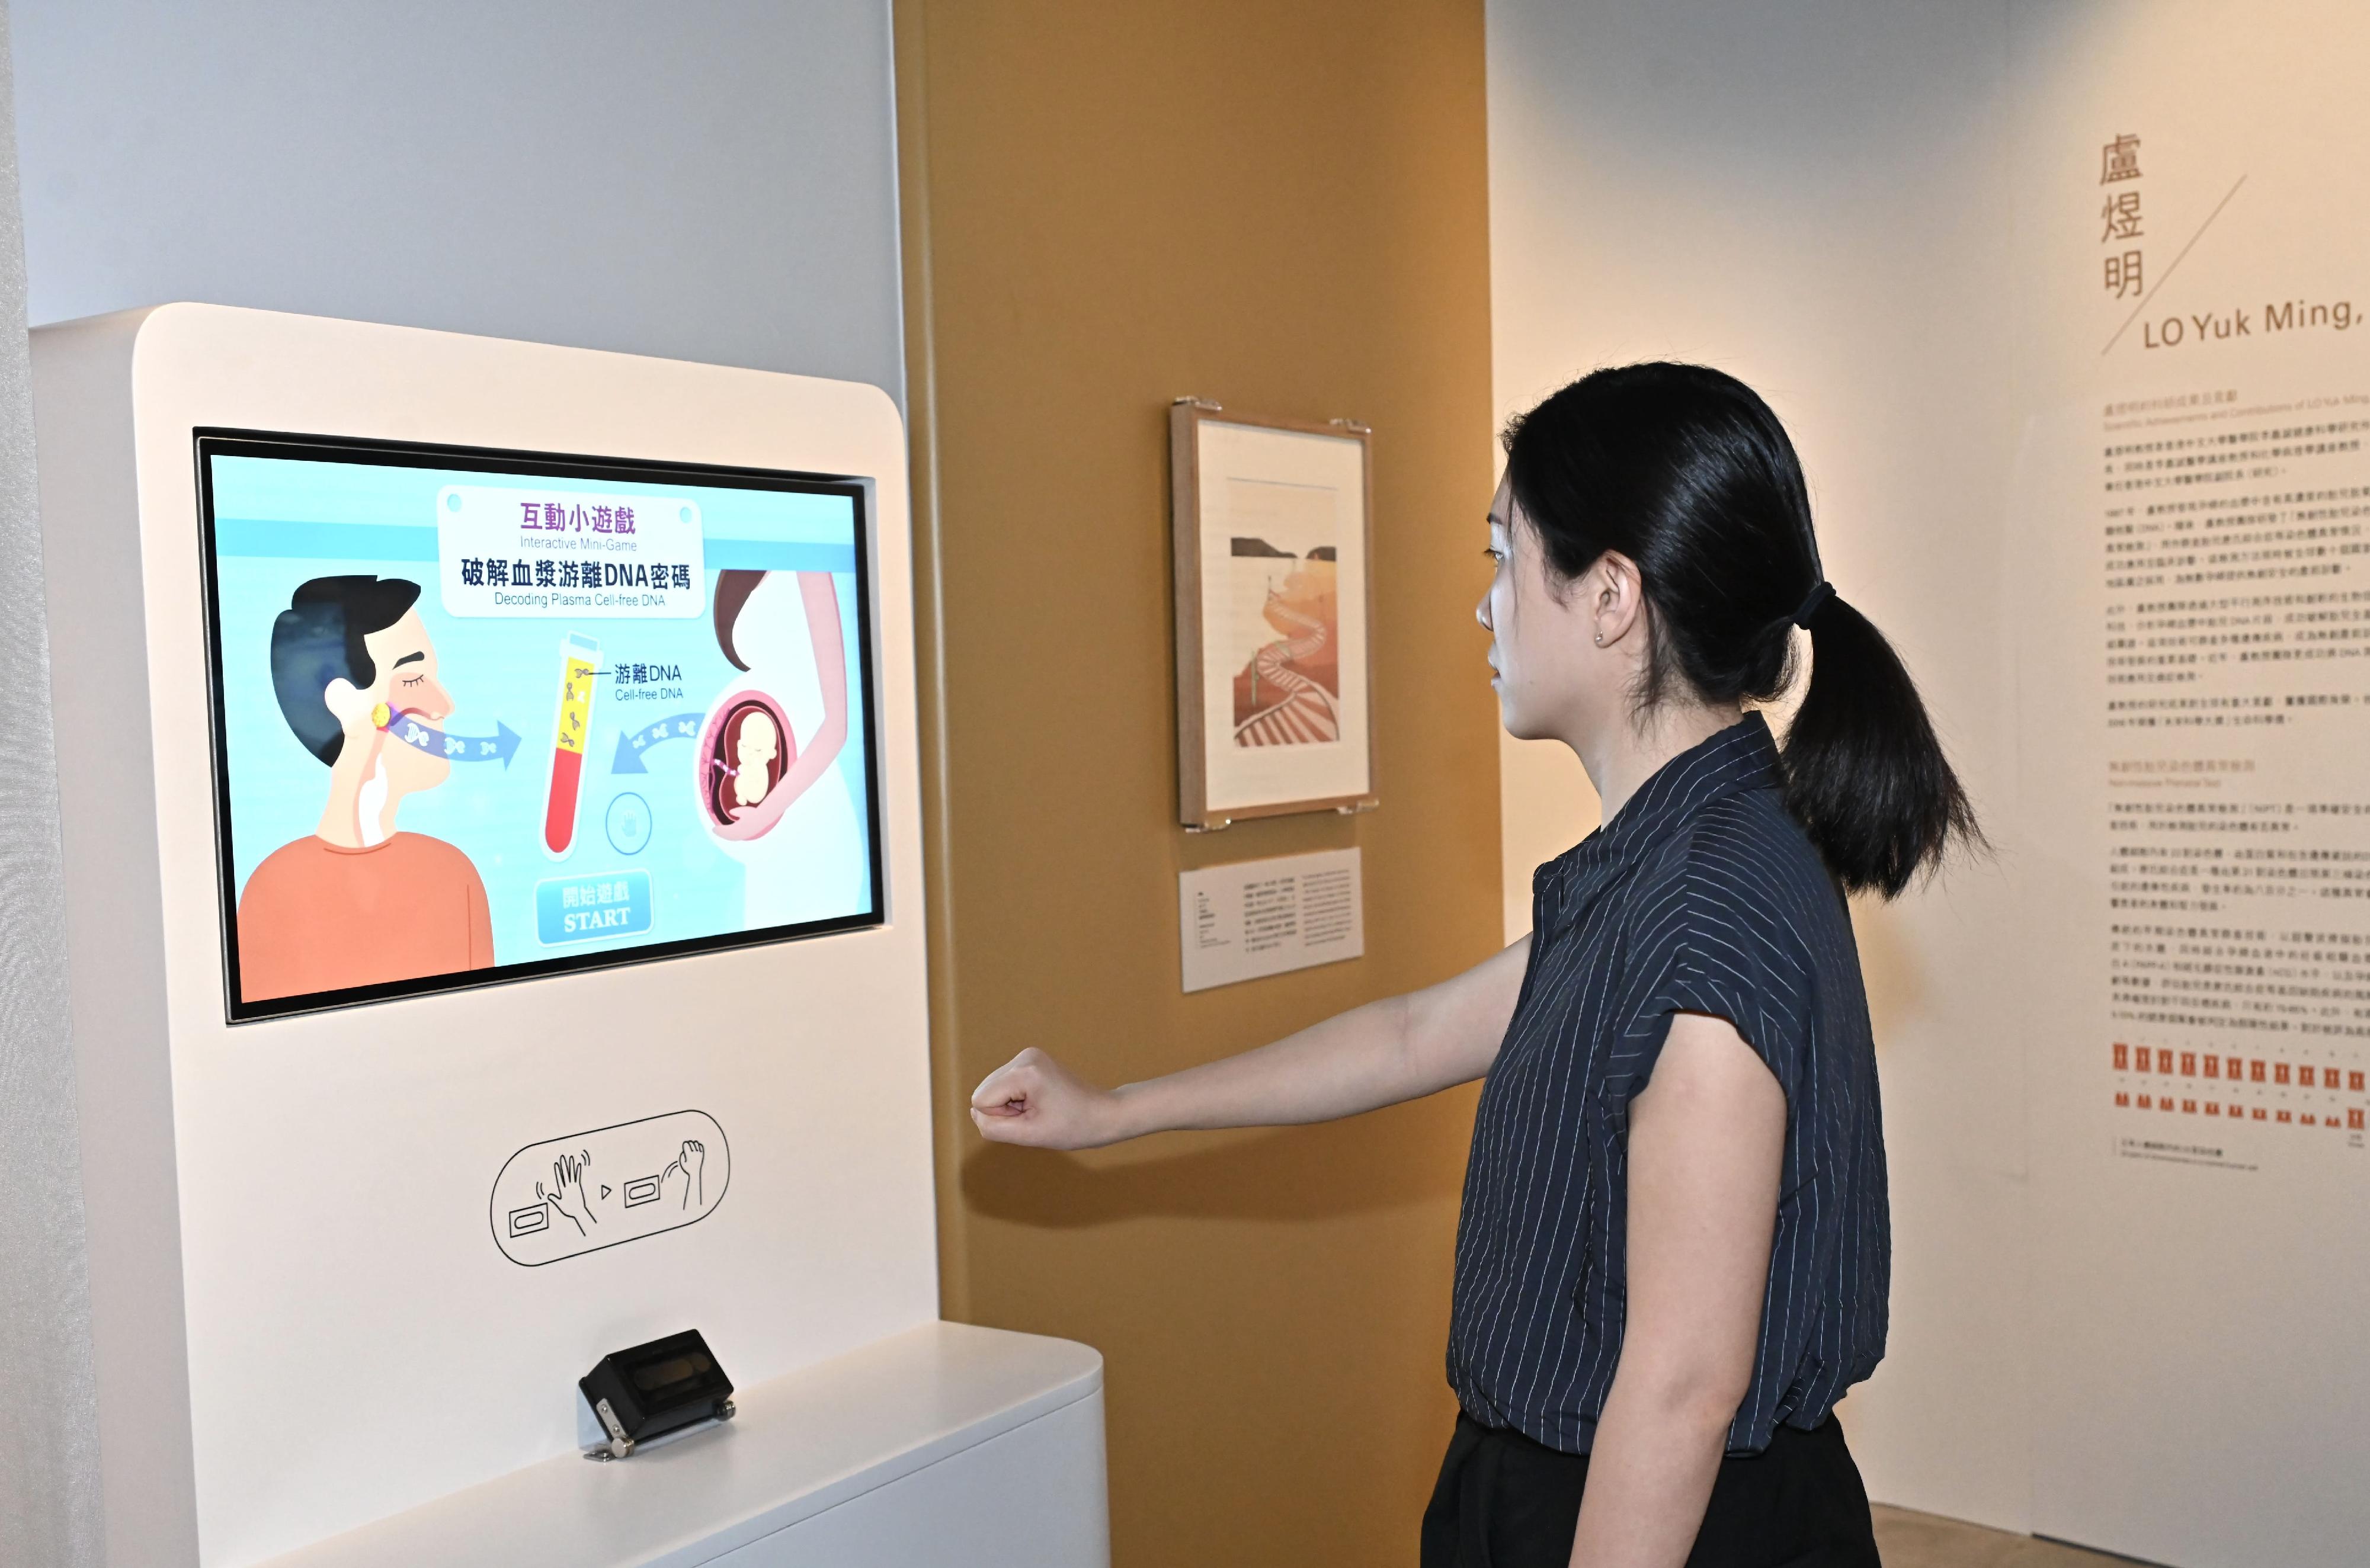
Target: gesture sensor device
<point x="667" y="1385"/>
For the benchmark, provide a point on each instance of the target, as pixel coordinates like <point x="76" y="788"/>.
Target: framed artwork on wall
<point x="1270" y="521"/>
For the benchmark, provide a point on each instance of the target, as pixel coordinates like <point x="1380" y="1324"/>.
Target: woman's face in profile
<point x="1552" y="684"/>
<point x="1514" y="610"/>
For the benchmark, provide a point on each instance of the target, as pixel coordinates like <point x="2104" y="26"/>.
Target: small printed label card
<point x="1262" y="917"/>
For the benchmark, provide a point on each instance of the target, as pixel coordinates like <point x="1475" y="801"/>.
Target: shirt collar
<point x="1742" y="757"/>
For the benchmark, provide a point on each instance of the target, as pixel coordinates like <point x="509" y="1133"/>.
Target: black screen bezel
<point x="209" y="442"/>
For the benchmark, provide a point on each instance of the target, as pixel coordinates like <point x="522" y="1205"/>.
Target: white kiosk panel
<point x="322" y="1291"/>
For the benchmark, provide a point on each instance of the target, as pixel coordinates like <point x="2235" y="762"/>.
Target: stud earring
<point x="1600" y="639"/>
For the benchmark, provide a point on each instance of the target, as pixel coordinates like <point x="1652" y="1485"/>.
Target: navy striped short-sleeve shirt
<point x="1702" y="895"/>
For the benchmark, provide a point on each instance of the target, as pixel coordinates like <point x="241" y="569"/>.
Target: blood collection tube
<point x="580" y="659"/>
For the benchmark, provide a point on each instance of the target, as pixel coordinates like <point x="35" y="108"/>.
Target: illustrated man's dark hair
<point x="319" y="639"/>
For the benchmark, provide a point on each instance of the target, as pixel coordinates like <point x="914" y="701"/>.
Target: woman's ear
<point x="1617" y="597"/>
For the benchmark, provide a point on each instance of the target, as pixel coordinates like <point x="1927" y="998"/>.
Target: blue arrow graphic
<point x="500" y="745"/>
<point x="632" y="743"/>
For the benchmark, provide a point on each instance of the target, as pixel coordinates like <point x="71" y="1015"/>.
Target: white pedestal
<point x="303" y="1316"/>
<point x="944" y="1445"/>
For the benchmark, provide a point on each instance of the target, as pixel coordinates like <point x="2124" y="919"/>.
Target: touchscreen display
<point x="481" y="716"/>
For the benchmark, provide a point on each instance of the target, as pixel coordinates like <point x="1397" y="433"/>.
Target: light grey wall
<point x="702" y="179"/>
<point x="49" y="1427"/>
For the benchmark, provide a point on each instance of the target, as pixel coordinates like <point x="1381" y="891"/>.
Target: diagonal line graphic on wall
<point x="2169" y="272"/>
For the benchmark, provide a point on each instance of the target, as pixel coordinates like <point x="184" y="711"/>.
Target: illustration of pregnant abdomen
<point x="729" y="745"/>
<point x="563" y="1196"/>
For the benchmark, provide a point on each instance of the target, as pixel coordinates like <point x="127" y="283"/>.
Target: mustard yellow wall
<point x="1280" y="204"/>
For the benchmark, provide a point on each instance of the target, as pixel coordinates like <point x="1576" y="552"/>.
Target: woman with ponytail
<point x="1674" y="1252"/>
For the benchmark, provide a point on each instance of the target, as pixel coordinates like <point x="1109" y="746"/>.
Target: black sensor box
<point x="652" y="1388"/>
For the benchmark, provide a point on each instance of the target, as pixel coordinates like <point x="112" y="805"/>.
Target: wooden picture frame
<point x="1271" y="522"/>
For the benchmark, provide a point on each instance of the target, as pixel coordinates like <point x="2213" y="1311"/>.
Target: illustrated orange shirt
<point x="315" y="917"/>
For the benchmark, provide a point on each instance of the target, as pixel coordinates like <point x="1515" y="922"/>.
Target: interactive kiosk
<point x="491" y="825"/>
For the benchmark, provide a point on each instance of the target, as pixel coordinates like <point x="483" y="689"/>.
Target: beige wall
<point x="1816" y="198"/>
<point x="1281" y="207"/>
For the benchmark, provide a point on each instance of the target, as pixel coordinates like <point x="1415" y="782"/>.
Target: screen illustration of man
<point x="356" y="902"/>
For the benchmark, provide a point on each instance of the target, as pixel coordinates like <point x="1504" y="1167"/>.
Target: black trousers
<point x="1506" y="1502"/>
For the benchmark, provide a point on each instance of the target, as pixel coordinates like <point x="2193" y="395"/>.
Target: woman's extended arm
<point x="1707" y="1147"/>
<point x="1399" y="1048"/>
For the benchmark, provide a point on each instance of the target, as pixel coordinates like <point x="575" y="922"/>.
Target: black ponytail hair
<point x="1686" y="472"/>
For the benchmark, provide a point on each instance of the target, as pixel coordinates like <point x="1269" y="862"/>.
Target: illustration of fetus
<point x="567" y="1197"/>
<point x="754" y="748"/>
<point x="770" y="788"/>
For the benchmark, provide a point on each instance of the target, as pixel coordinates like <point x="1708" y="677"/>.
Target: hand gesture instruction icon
<point x="567" y="1197"/>
<point x="549" y="1201"/>
<point x="691" y="1162"/>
